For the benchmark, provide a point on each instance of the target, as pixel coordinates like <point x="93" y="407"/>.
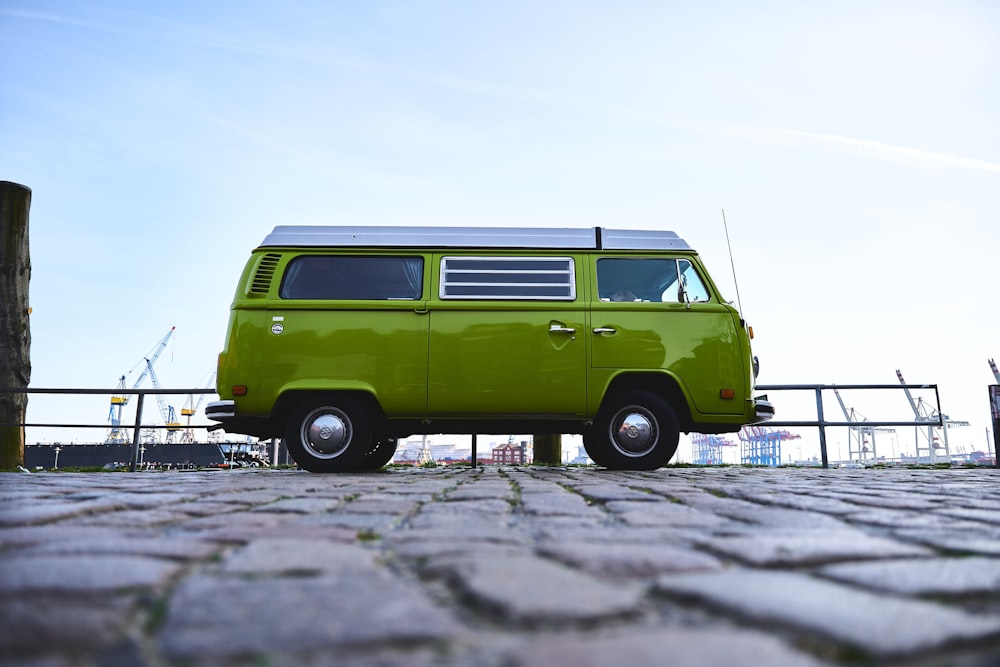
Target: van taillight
<point x="239" y="390"/>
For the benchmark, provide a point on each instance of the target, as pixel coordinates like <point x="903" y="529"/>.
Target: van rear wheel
<point x="635" y="430"/>
<point x="329" y="435"/>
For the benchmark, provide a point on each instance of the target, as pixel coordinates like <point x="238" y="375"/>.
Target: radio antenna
<point x="739" y="303"/>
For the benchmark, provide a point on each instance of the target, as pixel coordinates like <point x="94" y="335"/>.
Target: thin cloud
<point x="48" y="17"/>
<point x="876" y="149"/>
<point x="264" y="46"/>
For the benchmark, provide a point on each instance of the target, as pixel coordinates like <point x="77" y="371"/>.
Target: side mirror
<point x="682" y="293"/>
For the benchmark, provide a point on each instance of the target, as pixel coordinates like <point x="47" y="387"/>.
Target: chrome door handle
<point x="605" y="330"/>
<point x="556" y="328"/>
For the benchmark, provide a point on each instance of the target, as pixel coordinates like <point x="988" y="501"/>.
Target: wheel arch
<point x="662" y="384"/>
<point x="288" y="400"/>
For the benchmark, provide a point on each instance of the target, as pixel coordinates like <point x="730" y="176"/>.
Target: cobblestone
<point x="808" y="546"/>
<point x="941" y="576"/>
<point x="82" y="573"/>
<point x="674" y="647"/>
<point x="502" y="567"/>
<point x="525" y="588"/>
<point x="869" y="621"/>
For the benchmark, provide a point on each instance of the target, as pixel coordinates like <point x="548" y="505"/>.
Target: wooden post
<point x="15" y="334"/>
<point x="548" y="448"/>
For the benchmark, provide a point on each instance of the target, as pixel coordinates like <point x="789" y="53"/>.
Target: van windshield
<point x="353" y="277"/>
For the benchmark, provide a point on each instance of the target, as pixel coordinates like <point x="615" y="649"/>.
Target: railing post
<point x="822" y="427"/>
<point x="135" y="434"/>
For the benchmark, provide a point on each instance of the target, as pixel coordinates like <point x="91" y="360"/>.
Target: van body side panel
<point x="240" y="361"/>
<point x="333" y="345"/>
<point x="697" y="343"/>
<point x="698" y="347"/>
<point x="503" y="359"/>
<point x="313" y="344"/>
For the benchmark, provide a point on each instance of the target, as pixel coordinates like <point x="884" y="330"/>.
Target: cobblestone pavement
<point x="508" y="566"/>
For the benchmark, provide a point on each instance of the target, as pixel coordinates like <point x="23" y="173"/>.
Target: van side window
<point x="650" y="280"/>
<point x="353" y="277"/>
<point x="516" y="278"/>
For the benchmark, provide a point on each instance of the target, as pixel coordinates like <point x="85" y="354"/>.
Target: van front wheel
<point x="381" y="452"/>
<point x="636" y="430"/>
<point x="330" y="435"/>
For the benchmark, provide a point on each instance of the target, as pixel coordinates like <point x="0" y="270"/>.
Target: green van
<point x="343" y="339"/>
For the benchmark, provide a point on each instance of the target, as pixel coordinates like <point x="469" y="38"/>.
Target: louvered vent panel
<point x="265" y="272"/>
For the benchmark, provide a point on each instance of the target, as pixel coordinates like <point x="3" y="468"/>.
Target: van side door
<point x="508" y="336"/>
<point x="657" y="314"/>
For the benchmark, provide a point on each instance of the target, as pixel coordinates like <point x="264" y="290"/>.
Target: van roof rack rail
<point x="596" y="238"/>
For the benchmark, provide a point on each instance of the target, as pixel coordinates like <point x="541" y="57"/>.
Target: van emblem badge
<point x="277" y="328"/>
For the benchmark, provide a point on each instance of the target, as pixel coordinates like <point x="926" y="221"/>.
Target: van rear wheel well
<point x="657" y="383"/>
<point x="290" y="400"/>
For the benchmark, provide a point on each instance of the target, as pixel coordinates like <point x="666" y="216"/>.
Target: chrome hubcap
<point x="633" y="431"/>
<point x="326" y="432"/>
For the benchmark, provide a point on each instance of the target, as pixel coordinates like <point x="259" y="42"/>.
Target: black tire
<point x="381" y="453"/>
<point x="634" y="430"/>
<point x="331" y="434"/>
<point x="593" y="447"/>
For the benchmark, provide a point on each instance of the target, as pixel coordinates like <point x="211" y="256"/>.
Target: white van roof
<point x="473" y="237"/>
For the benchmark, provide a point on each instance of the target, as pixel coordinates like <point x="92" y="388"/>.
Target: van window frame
<point x="519" y="277"/>
<point x="627" y="296"/>
<point x="417" y="284"/>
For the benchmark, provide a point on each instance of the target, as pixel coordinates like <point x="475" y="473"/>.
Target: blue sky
<point x="853" y="145"/>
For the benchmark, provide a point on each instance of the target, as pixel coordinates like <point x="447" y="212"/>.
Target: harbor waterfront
<point x="502" y="565"/>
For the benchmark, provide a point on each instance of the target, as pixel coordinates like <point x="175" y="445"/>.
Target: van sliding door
<point x="507" y="337"/>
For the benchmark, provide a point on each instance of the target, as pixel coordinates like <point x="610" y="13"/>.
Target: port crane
<point x="860" y="438"/>
<point x="190" y="408"/>
<point x="708" y="448"/>
<point x="117" y="436"/>
<point x="167" y="411"/>
<point x="761" y="446"/>
<point x="935" y="422"/>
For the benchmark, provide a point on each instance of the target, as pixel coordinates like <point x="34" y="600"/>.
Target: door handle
<point x="605" y="330"/>
<point x="558" y="328"/>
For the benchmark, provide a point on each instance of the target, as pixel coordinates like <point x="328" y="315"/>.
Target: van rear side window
<point x="514" y="278"/>
<point x="353" y="277"/>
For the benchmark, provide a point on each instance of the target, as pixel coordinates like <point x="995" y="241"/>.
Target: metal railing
<point x="822" y="423"/>
<point x="136" y="427"/>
